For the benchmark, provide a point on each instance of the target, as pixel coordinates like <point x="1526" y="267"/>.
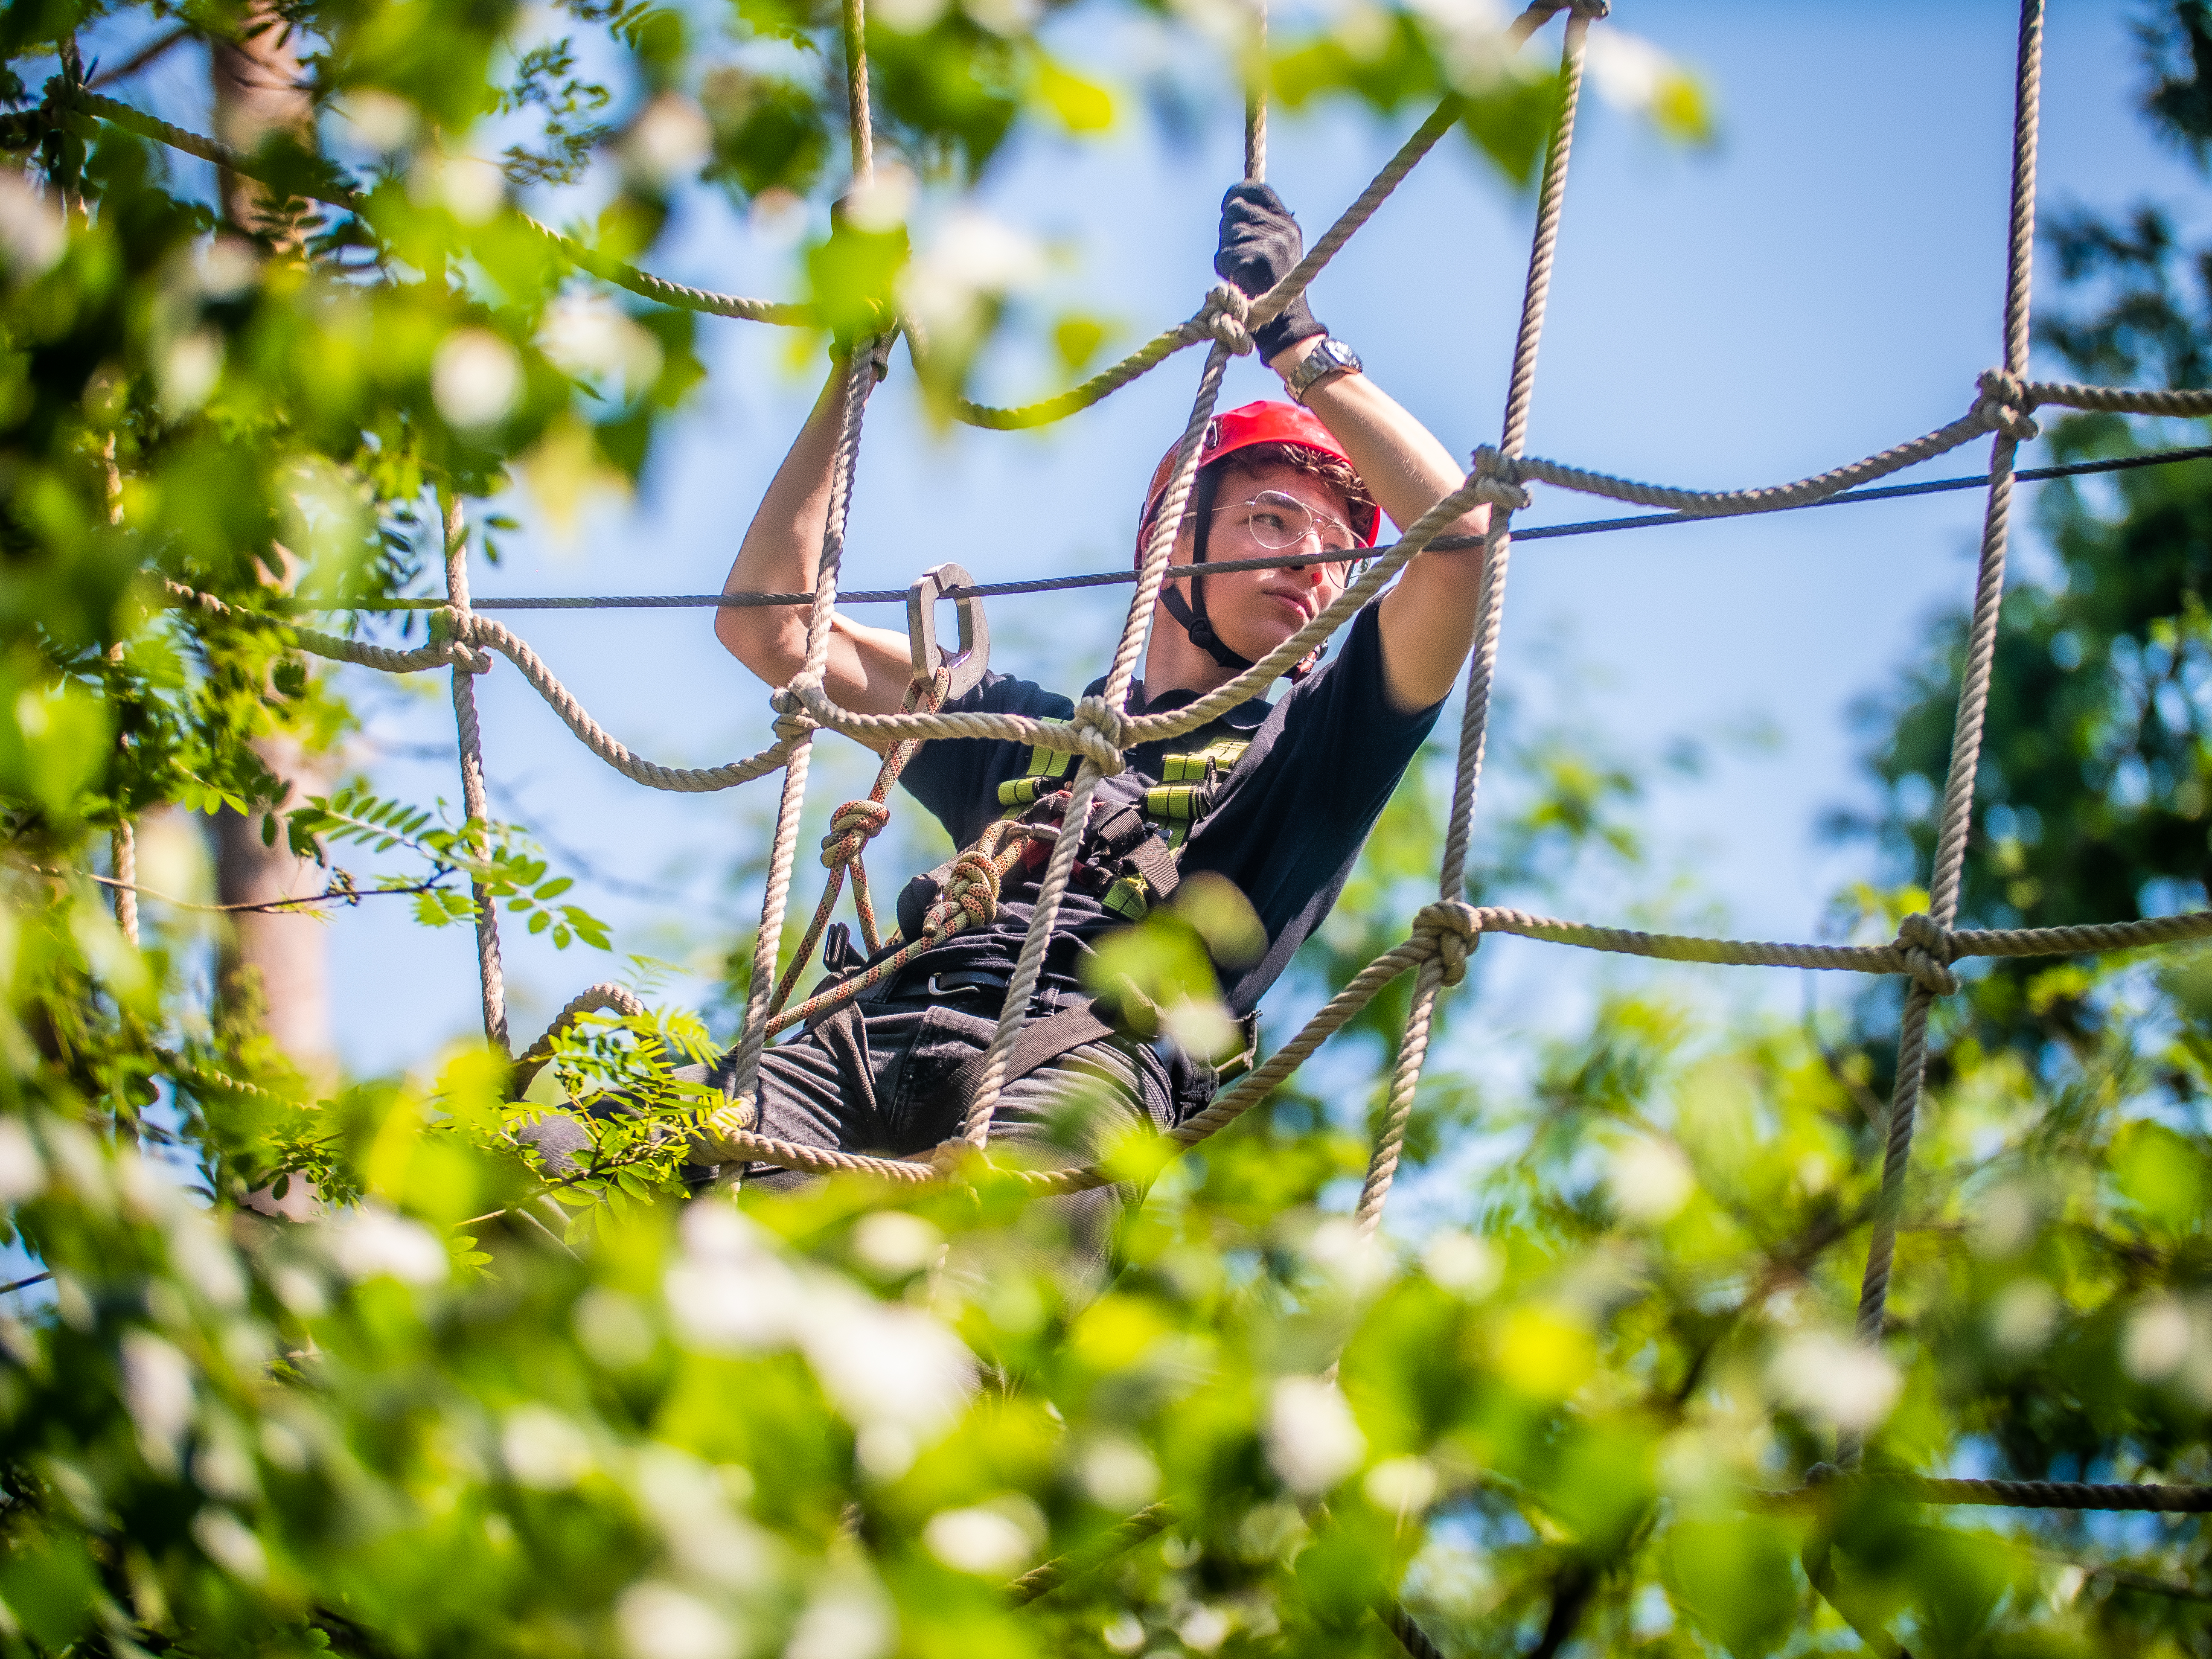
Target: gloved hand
<point x="1260" y="243"/>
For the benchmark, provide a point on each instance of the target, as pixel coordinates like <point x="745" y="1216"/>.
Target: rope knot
<point x="1455" y="930"/>
<point x="717" y="1131"/>
<point x="852" y="827"/>
<point x="2003" y="404"/>
<point x="1925" y="944"/>
<point x="792" y="719"/>
<point x="1497" y="478"/>
<point x="970" y="899"/>
<point x="456" y="631"/>
<point x="1224" y="316"/>
<point x="1103" y="732"/>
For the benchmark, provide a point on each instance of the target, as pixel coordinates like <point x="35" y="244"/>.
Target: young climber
<point x="1285" y="793"/>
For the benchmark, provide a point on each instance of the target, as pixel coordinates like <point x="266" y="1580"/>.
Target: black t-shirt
<point x="1286" y="827"/>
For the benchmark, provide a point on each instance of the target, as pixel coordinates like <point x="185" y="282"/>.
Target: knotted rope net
<point x="1444" y="934"/>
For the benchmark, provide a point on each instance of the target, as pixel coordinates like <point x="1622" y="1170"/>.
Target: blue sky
<point x="1826" y="282"/>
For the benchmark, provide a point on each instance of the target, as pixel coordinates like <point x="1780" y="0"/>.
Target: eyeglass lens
<point x="1279" y="523"/>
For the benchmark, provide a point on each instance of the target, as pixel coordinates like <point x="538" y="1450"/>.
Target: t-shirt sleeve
<point x="1298" y="807"/>
<point x="958" y="779"/>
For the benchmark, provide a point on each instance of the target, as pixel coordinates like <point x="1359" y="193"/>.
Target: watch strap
<point x="1330" y="357"/>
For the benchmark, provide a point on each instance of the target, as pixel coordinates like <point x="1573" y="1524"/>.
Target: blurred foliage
<point x="491" y="1402"/>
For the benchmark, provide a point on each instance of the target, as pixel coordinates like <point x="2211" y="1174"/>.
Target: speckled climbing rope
<point x="970" y="899"/>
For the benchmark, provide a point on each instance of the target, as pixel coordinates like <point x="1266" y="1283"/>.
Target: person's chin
<point x="1259" y="642"/>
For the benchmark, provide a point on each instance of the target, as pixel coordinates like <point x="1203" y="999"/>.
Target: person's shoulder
<point x="1354" y="667"/>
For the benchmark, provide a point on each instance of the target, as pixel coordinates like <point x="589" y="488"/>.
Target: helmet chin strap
<point x="1192" y="617"/>
<point x="1196" y="624"/>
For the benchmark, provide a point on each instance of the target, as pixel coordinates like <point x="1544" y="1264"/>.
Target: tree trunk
<point x="273" y="974"/>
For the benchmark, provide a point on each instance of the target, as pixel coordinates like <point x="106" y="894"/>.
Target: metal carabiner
<point x="927" y="656"/>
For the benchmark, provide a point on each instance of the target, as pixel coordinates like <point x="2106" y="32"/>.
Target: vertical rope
<point x="1490" y="612"/>
<point x="123" y="841"/>
<point x="123" y="846"/>
<point x="1957" y="819"/>
<point x="856" y="91"/>
<point x="1255" y="100"/>
<point x="859" y="381"/>
<point x="976" y="1127"/>
<point x="492" y="979"/>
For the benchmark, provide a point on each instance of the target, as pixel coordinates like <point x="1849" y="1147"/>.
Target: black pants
<point x="872" y="1083"/>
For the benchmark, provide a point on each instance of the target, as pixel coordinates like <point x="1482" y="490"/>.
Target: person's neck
<point x="1172" y="663"/>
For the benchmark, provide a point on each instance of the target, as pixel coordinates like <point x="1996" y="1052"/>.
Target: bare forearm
<point x="1428" y="617"/>
<point x="782" y="553"/>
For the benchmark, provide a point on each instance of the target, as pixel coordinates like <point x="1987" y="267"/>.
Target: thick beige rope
<point x="489" y="974"/>
<point x="684" y="779"/>
<point x="1957" y="815"/>
<point x="1490" y="612"/>
<point x="1165" y="344"/>
<point x="123" y="853"/>
<point x="1052" y="886"/>
<point x="742" y="1112"/>
<point x="859" y="122"/>
<point x="333" y="193"/>
<point x="2115" y="400"/>
<point x="468" y="640"/>
<point x="593" y="998"/>
<point x="1255" y="98"/>
<point x="1990" y="413"/>
<point x="1270" y="305"/>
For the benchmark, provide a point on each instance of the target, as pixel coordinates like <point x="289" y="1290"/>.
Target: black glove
<point x="1260" y="243"/>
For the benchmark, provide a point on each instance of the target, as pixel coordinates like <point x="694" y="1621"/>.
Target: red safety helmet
<point x="1262" y="423"/>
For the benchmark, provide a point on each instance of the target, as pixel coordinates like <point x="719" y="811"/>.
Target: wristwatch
<point x="1332" y="356"/>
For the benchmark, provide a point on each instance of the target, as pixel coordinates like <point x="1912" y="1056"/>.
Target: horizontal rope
<point x="1986" y="416"/>
<point x="1823" y="1479"/>
<point x="2115" y="400"/>
<point x="333" y="191"/>
<point x="476" y="635"/>
<point x="1143" y="360"/>
<point x="1857" y="958"/>
<point x="1226" y="567"/>
<point x="683" y="780"/>
<point x="1455" y="928"/>
<point x="1271" y="304"/>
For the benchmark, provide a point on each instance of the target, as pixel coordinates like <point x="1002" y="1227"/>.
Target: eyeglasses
<point x="1279" y="523"/>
